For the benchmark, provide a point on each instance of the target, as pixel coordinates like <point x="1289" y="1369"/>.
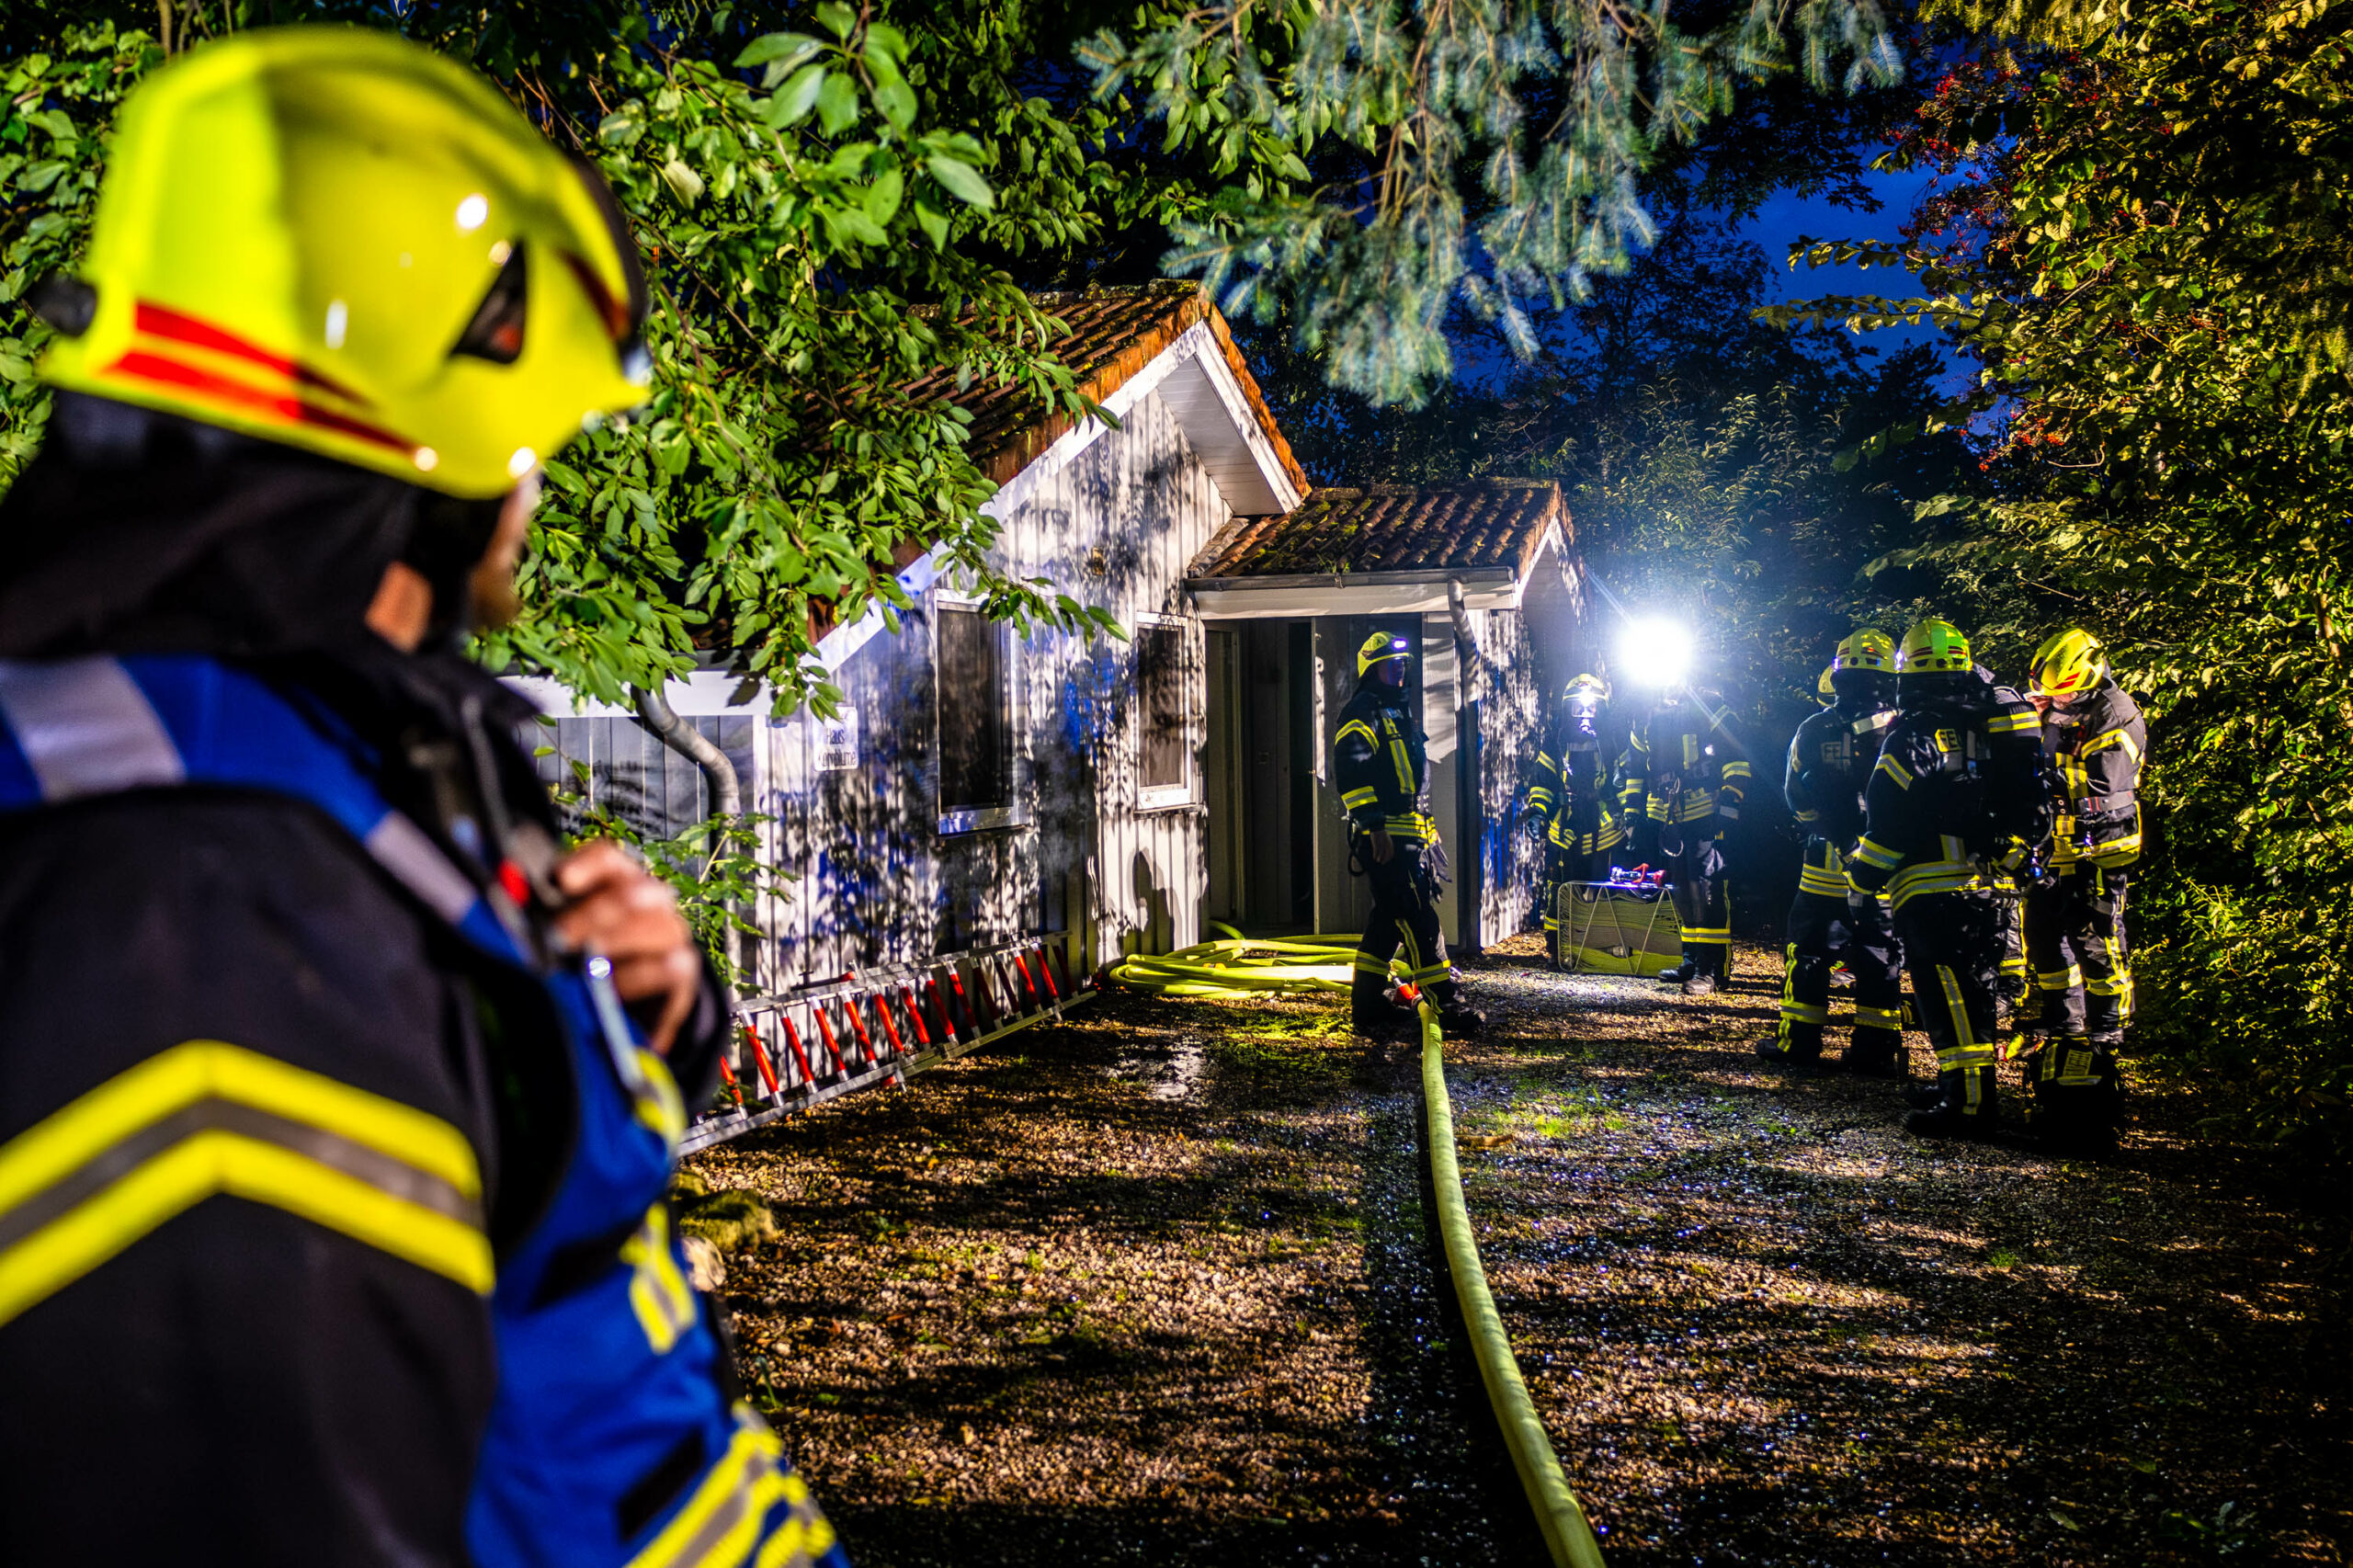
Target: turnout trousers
<point x="1952" y="946"/>
<point x="1859" y="925"/>
<point x="2075" y="935"/>
<point x="2074" y="942"/>
<point x="1695" y="876"/>
<point x="1404" y="918"/>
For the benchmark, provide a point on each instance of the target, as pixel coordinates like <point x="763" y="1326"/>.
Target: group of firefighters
<point x="1943" y="811"/>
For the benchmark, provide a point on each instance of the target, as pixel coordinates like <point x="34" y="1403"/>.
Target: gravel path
<point x="1154" y="1286"/>
<point x="1766" y="1326"/>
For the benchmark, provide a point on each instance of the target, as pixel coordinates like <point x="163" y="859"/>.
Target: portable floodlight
<point x="1655" y="652"/>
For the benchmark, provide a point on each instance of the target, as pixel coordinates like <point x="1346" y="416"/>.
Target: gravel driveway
<point x="1154" y="1286"/>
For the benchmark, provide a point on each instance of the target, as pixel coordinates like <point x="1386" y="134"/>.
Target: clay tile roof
<point x="1114" y="333"/>
<point x="1394" y="528"/>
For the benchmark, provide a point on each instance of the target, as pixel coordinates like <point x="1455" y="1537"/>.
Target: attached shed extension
<point x="1484" y="577"/>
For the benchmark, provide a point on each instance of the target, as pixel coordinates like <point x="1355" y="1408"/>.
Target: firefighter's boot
<point x="1678" y="974"/>
<point x="1964" y="1109"/>
<point x="1373" y="1015"/>
<point x="1875" y="1053"/>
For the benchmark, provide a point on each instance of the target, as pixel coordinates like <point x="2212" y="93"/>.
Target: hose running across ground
<point x="1236" y="966"/>
<point x="1568" y="1534"/>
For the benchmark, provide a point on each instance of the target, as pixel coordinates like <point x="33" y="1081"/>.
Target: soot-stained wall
<point x="1504" y="681"/>
<point x="855" y="803"/>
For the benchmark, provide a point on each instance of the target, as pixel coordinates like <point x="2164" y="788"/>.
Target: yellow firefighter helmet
<point x="2066" y="665"/>
<point x="339" y="240"/>
<point x="1933" y="647"/>
<point x="1822" y="690"/>
<point x="1381" y="647"/>
<point x="1870" y="649"/>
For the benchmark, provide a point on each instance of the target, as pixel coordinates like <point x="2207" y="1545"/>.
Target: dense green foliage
<point x="2144" y="248"/>
<point x="1390" y="164"/>
<point x="826" y="204"/>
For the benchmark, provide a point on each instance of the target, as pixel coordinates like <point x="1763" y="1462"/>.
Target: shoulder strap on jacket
<point x="72" y="729"/>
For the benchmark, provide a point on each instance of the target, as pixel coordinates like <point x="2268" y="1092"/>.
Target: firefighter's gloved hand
<point x="622" y="911"/>
<point x="1383" y="848"/>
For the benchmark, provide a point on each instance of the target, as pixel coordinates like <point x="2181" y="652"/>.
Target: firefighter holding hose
<point x="340" y="1101"/>
<point x="1381" y="769"/>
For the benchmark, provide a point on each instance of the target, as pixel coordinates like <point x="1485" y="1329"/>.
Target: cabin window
<point x="1163" y="711"/>
<point x="975" y="694"/>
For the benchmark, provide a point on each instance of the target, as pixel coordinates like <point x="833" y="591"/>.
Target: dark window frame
<point x="1004" y="810"/>
<point x="1186" y="789"/>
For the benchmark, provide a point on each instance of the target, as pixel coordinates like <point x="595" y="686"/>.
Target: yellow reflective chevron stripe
<point x="725" y="1523"/>
<point x="1356" y="799"/>
<point x="1878" y="1017"/>
<point x="660" y="1107"/>
<point x="1413" y="824"/>
<point x="2007" y="723"/>
<point x="1359" y="727"/>
<point x="658" y="1292"/>
<point x="1711" y="935"/>
<point x="2106" y="738"/>
<point x="207" y="1118"/>
<point x="1899" y="775"/>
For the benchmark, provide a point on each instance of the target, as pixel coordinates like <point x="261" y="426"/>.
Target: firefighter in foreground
<point x="2096" y="739"/>
<point x="1831" y="761"/>
<point x="1684" y="776"/>
<point x="1951" y="802"/>
<point x="339" y="1102"/>
<point x="1568" y="799"/>
<point x="1380" y="770"/>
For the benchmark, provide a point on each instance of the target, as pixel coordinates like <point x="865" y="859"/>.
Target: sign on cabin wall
<point x="838" y="743"/>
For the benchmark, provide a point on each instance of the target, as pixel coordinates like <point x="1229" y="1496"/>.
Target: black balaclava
<point x="135" y="531"/>
<point x="1863" y="692"/>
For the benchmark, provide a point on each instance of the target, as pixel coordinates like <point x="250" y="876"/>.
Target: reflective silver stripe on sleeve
<point x="86" y="727"/>
<point x="402" y="847"/>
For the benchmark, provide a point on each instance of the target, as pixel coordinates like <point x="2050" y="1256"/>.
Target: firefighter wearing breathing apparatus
<point x="340" y="1102"/>
<point x="1382" y="771"/>
<point x="2096" y="738"/>
<point x="1951" y="805"/>
<point x="1684" y="776"/>
<point x="1831" y="761"/>
<point x="1568" y="799"/>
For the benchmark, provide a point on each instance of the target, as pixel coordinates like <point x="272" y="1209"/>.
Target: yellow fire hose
<point x="1236" y="966"/>
<point x="1567" y="1535"/>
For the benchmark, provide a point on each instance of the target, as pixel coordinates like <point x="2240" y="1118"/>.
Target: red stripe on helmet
<point x="140" y="366"/>
<point x="174" y="327"/>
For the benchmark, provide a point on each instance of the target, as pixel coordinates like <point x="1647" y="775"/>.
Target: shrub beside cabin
<point x="994" y="816"/>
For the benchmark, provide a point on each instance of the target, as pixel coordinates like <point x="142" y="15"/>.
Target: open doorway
<point x="1259" y="766"/>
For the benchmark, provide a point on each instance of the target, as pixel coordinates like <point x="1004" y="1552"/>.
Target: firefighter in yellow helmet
<point x="1683" y="778"/>
<point x="1951" y="802"/>
<point x="1381" y="768"/>
<point x="1568" y="797"/>
<point x="2096" y="739"/>
<point x="1831" y="761"/>
<point x="339" y="1101"/>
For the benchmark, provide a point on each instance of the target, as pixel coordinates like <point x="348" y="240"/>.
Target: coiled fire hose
<point x="1235" y="966"/>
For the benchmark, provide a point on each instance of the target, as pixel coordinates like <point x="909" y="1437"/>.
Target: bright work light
<point x="1655" y="652"/>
